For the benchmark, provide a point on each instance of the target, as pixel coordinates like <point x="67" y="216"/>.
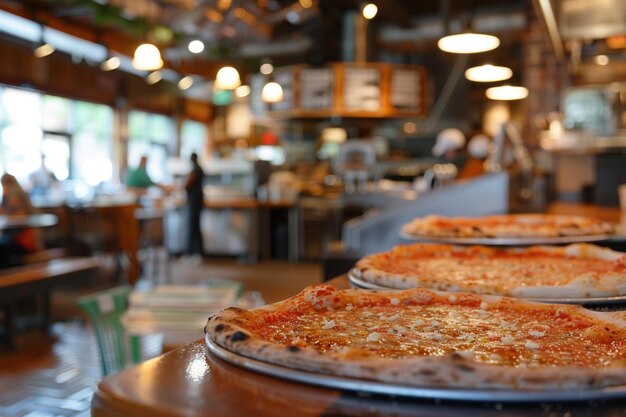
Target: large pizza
<point x="507" y="226"/>
<point x="420" y="337"/>
<point x="540" y="272"/>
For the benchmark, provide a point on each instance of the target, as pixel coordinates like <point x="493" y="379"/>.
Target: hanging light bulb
<point x="147" y="58"/>
<point x="227" y="78"/>
<point x="488" y="73"/>
<point x="507" y="92"/>
<point x="272" y="92"/>
<point x="468" y="43"/>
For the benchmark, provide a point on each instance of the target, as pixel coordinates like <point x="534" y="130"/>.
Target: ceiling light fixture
<point x="507" y="92"/>
<point x="195" y="46"/>
<point x="602" y="60"/>
<point x="468" y="43"/>
<point x="272" y="92"/>
<point x="154" y="77"/>
<point x="147" y="58"/>
<point x="369" y="11"/>
<point x="43" y="50"/>
<point x="242" y="91"/>
<point x="227" y="78"/>
<point x="111" y="64"/>
<point x="266" y="68"/>
<point x="185" y="83"/>
<point x="488" y="73"/>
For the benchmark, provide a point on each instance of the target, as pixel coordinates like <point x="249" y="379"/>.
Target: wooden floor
<point x="54" y="374"/>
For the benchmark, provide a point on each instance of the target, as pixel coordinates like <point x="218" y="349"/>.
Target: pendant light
<point x="272" y="92"/>
<point x="468" y="43"/>
<point x="147" y="58"/>
<point x="227" y="78"/>
<point x="507" y="92"/>
<point x="488" y="73"/>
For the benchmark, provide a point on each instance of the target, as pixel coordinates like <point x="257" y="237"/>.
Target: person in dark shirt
<point x="15" y="243"/>
<point x="195" y="203"/>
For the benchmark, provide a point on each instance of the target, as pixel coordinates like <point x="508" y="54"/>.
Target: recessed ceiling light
<point x="488" y="73"/>
<point x="185" y="82"/>
<point x="242" y="91"/>
<point x="468" y="43"/>
<point x="195" y="46"/>
<point x="507" y="92"/>
<point x="266" y="68"/>
<point x="110" y="64"/>
<point x="369" y="11"/>
<point x="154" y="77"/>
<point x="44" y="50"/>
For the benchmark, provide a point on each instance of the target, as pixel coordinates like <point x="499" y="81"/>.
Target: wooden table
<point x="31" y="220"/>
<point x="187" y="383"/>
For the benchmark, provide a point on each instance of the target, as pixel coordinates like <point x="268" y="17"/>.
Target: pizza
<point x="507" y="226"/>
<point x="537" y="272"/>
<point x="426" y="338"/>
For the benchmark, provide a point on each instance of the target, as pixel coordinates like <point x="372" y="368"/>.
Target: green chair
<point x="104" y="310"/>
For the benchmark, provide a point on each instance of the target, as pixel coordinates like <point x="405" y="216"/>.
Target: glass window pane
<point x="193" y="138"/>
<point x="92" y="143"/>
<point x="21" y="107"/>
<point x="56" y="114"/>
<point x="153" y="135"/>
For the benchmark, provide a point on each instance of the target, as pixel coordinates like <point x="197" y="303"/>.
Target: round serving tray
<point x="440" y="393"/>
<point x="612" y="301"/>
<point x="506" y="241"/>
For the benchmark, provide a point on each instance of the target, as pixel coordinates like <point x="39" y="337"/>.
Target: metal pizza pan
<point x="393" y="389"/>
<point x="608" y="301"/>
<point x="506" y="241"/>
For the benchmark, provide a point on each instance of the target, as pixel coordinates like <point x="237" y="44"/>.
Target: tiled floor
<point x="54" y="375"/>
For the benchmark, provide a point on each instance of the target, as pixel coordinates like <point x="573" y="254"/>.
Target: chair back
<point x="104" y="310"/>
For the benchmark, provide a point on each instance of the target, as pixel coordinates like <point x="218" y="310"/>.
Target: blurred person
<point x="41" y="180"/>
<point x="195" y="203"/>
<point x="15" y="243"/>
<point x="478" y="150"/>
<point x="138" y="178"/>
<point x="450" y="146"/>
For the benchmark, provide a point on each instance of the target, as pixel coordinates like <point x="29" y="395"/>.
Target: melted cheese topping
<point x="511" y="225"/>
<point x="501" y="334"/>
<point x="492" y="271"/>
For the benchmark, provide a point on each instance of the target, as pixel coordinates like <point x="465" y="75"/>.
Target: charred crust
<point x="239" y="337"/>
<point x="220" y="327"/>
<point x="293" y="349"/>
<point x="464" y="368"/>
<point x="426" y="372"/>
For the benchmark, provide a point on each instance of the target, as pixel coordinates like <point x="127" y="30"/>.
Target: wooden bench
<point x="37" y="280"/>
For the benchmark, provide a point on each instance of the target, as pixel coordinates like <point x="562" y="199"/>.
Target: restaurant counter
<point x="185" y="382"/>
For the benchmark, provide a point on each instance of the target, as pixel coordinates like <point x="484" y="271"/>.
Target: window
<point x="152" y="135"/>
<point x="92" y="143"/>
<point x="73" y="139"/>
<point x="192" y="139"/>
<point x="20" y="132"/>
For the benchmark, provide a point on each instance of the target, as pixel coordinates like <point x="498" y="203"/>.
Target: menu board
<point x="286" y="80"/>
<point x="406" y="89"/>
<point x="316" y="88"/>
<point x="362" y="89"/>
